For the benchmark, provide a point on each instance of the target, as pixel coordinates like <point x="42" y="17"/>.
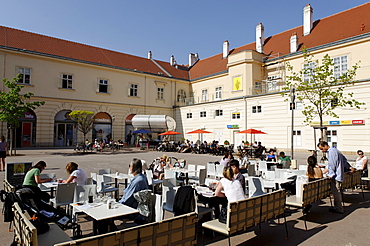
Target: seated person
<point x="361" y="163"/>
<point x="313" y="171"/>
<point x="75" y="174"/>
<point x="138" y="183"/>
<point x="234" y="164"/>
<point x="271" y="156"/>
<point x="243" y="162"/>
<point x="284" y="159"/>
<point x="232" y="188"/>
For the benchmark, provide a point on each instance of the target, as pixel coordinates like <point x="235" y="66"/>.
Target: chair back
<point x="149" y="176"/>
<point x="105" y="171"/>
<point x="89" y="181"/>
<point x="262" y="166"/>
<point x="269" y="175"/>
<point x="99" y="183"/>
<point x="93" y="176"/>
<point x="219" y="171"/>
<point x="211" y="169"/>
<point x="286" y="164"/>
<point x="158" y="207"/>
<point x="169" y="189"/>
<point x="85" y="189"/>
<point x="65" y="193"/>
<point x="255" y="187"/>
<point x="169" y="174"/>
<point x="252" y="170"/>
<point x="202" y="176"/>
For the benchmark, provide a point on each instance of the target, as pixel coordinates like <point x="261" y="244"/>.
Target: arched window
<point x="181" y="95"/>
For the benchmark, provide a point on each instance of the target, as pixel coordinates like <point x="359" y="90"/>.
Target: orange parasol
<point x="200" y="131"/>
<point x="169" y="133"/>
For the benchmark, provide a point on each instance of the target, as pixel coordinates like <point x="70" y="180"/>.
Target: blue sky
<point x="166" y="27"/>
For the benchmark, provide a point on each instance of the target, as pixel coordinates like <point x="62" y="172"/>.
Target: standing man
<point x="336" y="164"/>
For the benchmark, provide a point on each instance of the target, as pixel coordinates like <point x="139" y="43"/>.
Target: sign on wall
<point x="237" y="83"/>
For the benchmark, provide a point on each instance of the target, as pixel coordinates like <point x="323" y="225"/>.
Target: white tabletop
<point x="119" y="176"/>
<point x="51" y="184"/>
<point x="205" y="191"/>
<point x="100" y="211"/>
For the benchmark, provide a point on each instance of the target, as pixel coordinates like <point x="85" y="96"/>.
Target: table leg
<point x="51" y="192"/>
<point x="116" y="193"/>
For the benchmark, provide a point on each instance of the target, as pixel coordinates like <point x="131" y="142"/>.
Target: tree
<point x="84" y="120"/>
<point x="320" y="87"/>
<point x="13" y="105"/>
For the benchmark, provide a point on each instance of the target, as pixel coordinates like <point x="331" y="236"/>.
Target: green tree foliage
<point x="320" y="89"/>
<point x="84" y="120"/>
<point x="13" y="104"/>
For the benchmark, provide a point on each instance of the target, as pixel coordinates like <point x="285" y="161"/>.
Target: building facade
<point x="235" y="90"/>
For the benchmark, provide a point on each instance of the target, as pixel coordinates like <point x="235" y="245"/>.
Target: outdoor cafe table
<point x="120" y="176"/>
<point x="52" y="185"/>
<point x="100" y="211"/>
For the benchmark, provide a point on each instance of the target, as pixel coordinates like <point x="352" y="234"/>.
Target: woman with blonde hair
<point x="232" y="188"/>
<point x="75" y="174"/>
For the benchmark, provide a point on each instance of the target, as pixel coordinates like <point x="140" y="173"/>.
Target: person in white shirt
<point x="75" y="174"/>
<point x="361" y="163"/>
<point x="232" y="188"/>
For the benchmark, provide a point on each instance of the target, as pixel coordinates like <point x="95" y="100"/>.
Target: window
<point x="189" y="115"/>
<point x="235" y="115"/>
<point x="203" y="114"/>
<point x="25" y="75"/>
<point x="160" y="92"/>
<point x="308" y="70"/>
<point x="297" y="138"/>
<point x="256" y="109"/>
<point x="181" y="95"/>
<point x="204" y="95"/>
<point x="218" y="93"/>
<point x="67" y="80"/>
<point x="340" y="66"/>
<point x="272" y="86"/>
<point x="103" y="86"/>
<point x="133" y="90"/>
<point x="219" y="112"/>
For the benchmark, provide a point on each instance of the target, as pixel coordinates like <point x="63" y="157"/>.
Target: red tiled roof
<point x="349" y="23"/>
<point x="52" y="46"/>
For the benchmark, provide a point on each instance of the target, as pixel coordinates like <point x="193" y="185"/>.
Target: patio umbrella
<point x="199" y="131"/>
<point x="142" y="131"/>
<point x="169" y="133"/>
<point x="252" y="131"/>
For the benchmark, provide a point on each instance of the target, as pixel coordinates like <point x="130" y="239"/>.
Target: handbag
<point x="223" y="215"/>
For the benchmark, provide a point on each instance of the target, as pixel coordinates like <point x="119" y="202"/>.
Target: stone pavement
<point x="324" y="228"/>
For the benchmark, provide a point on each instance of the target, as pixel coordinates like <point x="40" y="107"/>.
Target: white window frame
<point x="235" y="115"/>
<point x="133" y="90"/>
<point x="218" y="93"/>
<point x="219" y="112"/>
<point x="204" y="95"/>
<point x="297" y="138"/>
<point x="340" y="65"/>
<point x="103" y="83"/>
<point x="25" y="75"/>
<point x="160" y="93"/>
<point x="309" y="67"/>
<point x="181" y="95"/>
<point x="189" y="115"/>
<point x="67" y="81"/>
<point x="203" y="114"/>
<point x="257" y="109"/>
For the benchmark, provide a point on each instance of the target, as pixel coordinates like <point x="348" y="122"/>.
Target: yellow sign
<point x="345" y="122"/>
<point x="317" y="123"/>
<point x="237" y="83"/>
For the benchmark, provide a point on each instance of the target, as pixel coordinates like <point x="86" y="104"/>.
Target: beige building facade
<point x="235" y="90"/>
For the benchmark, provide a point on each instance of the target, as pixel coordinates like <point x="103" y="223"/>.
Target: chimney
<point x="260" y="37"/>
<point x="225" y="49"/>
<point x="172" y="61"/>
<point x="294" y="43"/>
<point x="193" y="58"/>
<point x="307" y="19"/>
<point x="150" y="55"/>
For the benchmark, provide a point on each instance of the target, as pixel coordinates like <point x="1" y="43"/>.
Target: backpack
<point x="8" y="198"/>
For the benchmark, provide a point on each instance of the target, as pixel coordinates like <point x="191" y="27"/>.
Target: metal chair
<point x="64" y="195"/>
<point x="169" y="189"/>
<point x="101" y="186"/>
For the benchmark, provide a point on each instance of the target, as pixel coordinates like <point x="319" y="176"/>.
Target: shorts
<point x="2" y="154"/>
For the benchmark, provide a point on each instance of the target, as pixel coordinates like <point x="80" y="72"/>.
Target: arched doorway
<point x="26" y="132"/>
<point x="65" y="131"/>
<point x="129" y="138"/>
<point x="102" y="130"/>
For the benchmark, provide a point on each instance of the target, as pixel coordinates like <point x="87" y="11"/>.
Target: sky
<point x="165" y="27"/>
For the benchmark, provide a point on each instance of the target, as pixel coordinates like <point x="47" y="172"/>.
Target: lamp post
<point x="292" y="108"/>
